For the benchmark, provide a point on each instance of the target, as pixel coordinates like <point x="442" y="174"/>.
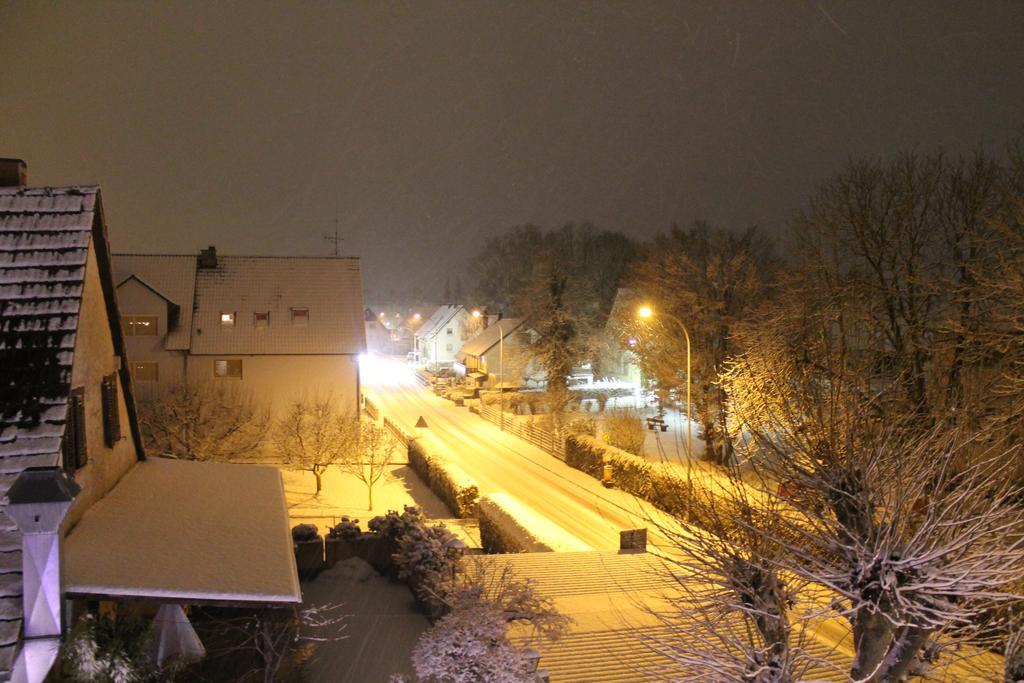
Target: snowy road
<point x="587" y="515"/>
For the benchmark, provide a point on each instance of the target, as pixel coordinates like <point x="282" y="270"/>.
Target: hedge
<point x="453" y="487"/>
<point x="632" y="474"/>
<point x="501" y="533"/>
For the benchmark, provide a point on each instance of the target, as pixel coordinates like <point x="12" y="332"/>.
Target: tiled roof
<point x="488" y="337"/>
<point x="173" y="277"/>
<point x="438" y="320"/>
<point x="44" y="245"/>
<point x="330" y="288"/>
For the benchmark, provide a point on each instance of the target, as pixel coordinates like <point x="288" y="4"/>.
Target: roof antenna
<point x="334" y="239"/>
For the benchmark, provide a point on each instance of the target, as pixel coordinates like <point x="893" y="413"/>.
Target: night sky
<point x="423" y="128"/>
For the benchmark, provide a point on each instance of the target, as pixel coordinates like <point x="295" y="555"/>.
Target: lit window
<point x="139" y="325"/>
<point x="300" y="316"/>
<point x="261" y="319"/>
<point x="144" y="372"/>
<point x="227" y="368"/>
<point x="227" y="319"/>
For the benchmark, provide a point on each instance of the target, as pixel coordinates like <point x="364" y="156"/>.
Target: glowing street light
<point x="476" y="313"/>
<point x="416" y="316"/>
<point x="646" y="313"/>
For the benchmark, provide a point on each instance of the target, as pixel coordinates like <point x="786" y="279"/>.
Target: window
<point x="139" y="325"/>
<point x="73" y="447"/>
<point x="111" y="410"/>
<point x="144" y="372"/>
<point x="300" y="316"/>
<point x="227" y="368"/>
<point x="449" y="348"/>
<point x="449" y="330"/>
<point x="261" y="319"/>
<point x="227" y="319"/>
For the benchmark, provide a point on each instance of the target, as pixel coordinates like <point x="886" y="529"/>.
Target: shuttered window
<point x="111" y="414"/>
<point x="74" y="446"/>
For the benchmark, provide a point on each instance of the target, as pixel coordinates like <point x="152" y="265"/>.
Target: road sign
<point x="421" y="423"/>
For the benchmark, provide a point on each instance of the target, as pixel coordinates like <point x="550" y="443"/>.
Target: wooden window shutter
<point x="74" y="446"/>
<point x="111" y="414"/>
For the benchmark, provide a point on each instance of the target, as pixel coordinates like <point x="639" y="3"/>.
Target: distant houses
<point x="277" y="326"/>
<point x="439" y="339"/>
<point x="87" y="519"/>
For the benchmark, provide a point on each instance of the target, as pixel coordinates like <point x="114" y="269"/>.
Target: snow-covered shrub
<point x="471" y="643"/>
<point x="581" y="424"/>
<point x="109" y="650"/>
<point x="304" y="532"/>
<point x="501" y="533"/>
<point x="625" y="430"/>
<point x="458" y="492"/>
<point x="584" y="454"/>
<point x="468" y="646"/>
<point x="392" y="525"/>
<point x="347" y="529"/>
<point x="426" y="559"/>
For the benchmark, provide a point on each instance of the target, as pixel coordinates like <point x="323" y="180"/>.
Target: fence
<point x="541" y="438"/>
<point x="397" y="431"/>
<point x="371" y="409"/>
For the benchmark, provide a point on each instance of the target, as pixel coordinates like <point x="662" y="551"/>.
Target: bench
<point x="653" y="422"/>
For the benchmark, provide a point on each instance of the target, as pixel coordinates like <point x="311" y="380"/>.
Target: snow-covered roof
<point x="172" y="276"/>
<point x="488" y="337"/>
<point x="437" y="321"/>
<point x="186" y="531"/>
<point x="45" y="235"/>
<point x="329" y="288"/>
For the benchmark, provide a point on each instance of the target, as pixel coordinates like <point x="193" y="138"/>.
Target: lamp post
<point x="646" y="313"/>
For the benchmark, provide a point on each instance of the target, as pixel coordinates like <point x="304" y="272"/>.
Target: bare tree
<point x="733" y="617"/>
<point x="272" y="635"/>
<point x="367" y="452"/>
<point x="912" y="524"/>
<point x="203" y="421"/>
<point x="311" y="436"/>
<point x="710" y="279"/>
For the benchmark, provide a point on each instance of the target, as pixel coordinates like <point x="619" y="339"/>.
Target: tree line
<point x="863" y="392"/>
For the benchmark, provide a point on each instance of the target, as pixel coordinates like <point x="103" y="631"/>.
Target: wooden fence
<point x="402" y="437"/>
<point x="539" y="437"/>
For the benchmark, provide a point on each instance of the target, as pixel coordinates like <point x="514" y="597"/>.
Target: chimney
<point x="208" y="257"/>
<point x="13" y="173"/>
<point x="37" y="501"/>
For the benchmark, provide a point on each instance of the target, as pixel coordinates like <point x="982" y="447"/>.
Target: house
<point x="618" y="360"/>
<point x="499" y="355"/>
<point x="86" y="518"/>
<point x="276" y="326"/>
<point x="378" y="337"/>
<point x="439" y="339"/>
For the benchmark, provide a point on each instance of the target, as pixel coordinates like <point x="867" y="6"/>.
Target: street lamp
<point x="646" y="313"/>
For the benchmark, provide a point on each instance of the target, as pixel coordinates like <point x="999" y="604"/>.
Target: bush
<point x="110" y="648"/>
<point x="347" y="529"/>
<point x="625" y="430"/>
<point x="304" y="532"/>
<point x="653" y="483"/>
<point x="581" y="424"/>
<point x="457" y="491"/>
<point x="501" y="533"/>
<point x="585" y="455"/>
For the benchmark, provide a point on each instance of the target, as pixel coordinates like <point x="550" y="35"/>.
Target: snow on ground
<point x="344" y="495"/>
<point x="381" y="628"/>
